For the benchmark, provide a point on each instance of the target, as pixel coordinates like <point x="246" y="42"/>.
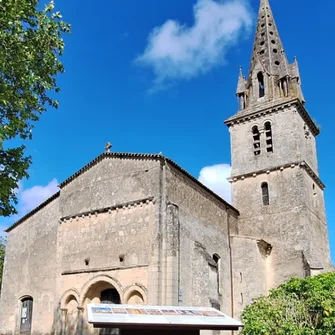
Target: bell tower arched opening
<point x="261" y="86"/>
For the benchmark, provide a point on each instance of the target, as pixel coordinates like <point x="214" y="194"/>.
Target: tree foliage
<point x="300" y="307"/>
<point x="2" y="258"/>
<point x="30" y="47"/>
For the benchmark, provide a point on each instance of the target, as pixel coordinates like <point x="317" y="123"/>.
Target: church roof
<point x="120" y="155"/>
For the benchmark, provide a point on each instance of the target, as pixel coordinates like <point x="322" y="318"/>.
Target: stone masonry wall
<point x="113" y="181"/>
<point x="293" y="222"/>
<point x="121" y="242"/>
<point x="203" y="224"/>
<point x="119" y="238"/>
<point x="289" y="143"/>
<point x="104" y="223"/>
<point x="31" y="270"/>
<point x="317" y="229"/>
<point x="249" y="272"/>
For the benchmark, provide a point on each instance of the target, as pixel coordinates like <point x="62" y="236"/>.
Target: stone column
<point x="172" y="245"/>
<point x="285" y="88"/>
<point x="80" y="320"/>
<point x="63" y="321"/>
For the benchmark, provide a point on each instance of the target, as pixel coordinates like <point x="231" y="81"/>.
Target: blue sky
<point x="115" y="90"/>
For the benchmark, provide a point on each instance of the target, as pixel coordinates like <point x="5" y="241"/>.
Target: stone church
<point x="139" y="229"/>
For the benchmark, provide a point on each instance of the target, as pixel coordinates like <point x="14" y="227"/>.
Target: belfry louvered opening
<point x="256" y="140"/>
<point x="268" y="137"/>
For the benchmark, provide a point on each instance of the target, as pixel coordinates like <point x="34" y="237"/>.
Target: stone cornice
<point x="313" y="175"/>
<point x="111" y="268"/>
<point x="95" y="212"/>
<point x="301" y="164"/>
<point x="248" y="115"/>
<point x="306" y="117"/>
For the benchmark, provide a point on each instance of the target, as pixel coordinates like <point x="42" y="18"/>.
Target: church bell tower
<point x="275" y="178"/>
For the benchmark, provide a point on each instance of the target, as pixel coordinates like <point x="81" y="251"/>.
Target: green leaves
<point x="13" y="168"/>
<point x="31" y="44"/>
<point x="300" y="307"/>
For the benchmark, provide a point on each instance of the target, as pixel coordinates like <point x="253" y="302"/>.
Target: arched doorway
<point x="104" y="291"/>
<point x="26" y="315"/>
<point x="109" y="296"/>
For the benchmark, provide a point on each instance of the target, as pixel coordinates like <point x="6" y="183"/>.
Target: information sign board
<point x="159" y="316"/>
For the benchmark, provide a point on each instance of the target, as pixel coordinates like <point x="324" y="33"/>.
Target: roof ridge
<point x="159" y="156"/>
<point x="104" y="155"/>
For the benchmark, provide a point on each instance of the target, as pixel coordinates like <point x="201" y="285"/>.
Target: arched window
<point x="268" y="137"/>
<point x="257" y="141"/>
<point x="265" y="194"/>
<point x="70" y="313"/>
<point x="261" y="86"/>
<point x="314" y="190"/>
<point x="217" y="260"/>
<point x="26" y="315"/>
<point x="135" y="298"/>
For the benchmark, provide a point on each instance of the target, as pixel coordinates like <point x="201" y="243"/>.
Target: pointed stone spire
<point x="271" y="78"/>
<point x="241" y="85"/>
<point x="268" y="48"/>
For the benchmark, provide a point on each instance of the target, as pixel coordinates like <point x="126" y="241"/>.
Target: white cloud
<point x="175" y="51"/>
<point x="34" y="196"/>
<point x="215" y="178"/>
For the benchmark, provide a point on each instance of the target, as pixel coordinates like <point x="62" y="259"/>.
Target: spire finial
<point x="108" y="147"/>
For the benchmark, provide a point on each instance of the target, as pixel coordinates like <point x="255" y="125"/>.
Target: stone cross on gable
<point x="108" y="147"/>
